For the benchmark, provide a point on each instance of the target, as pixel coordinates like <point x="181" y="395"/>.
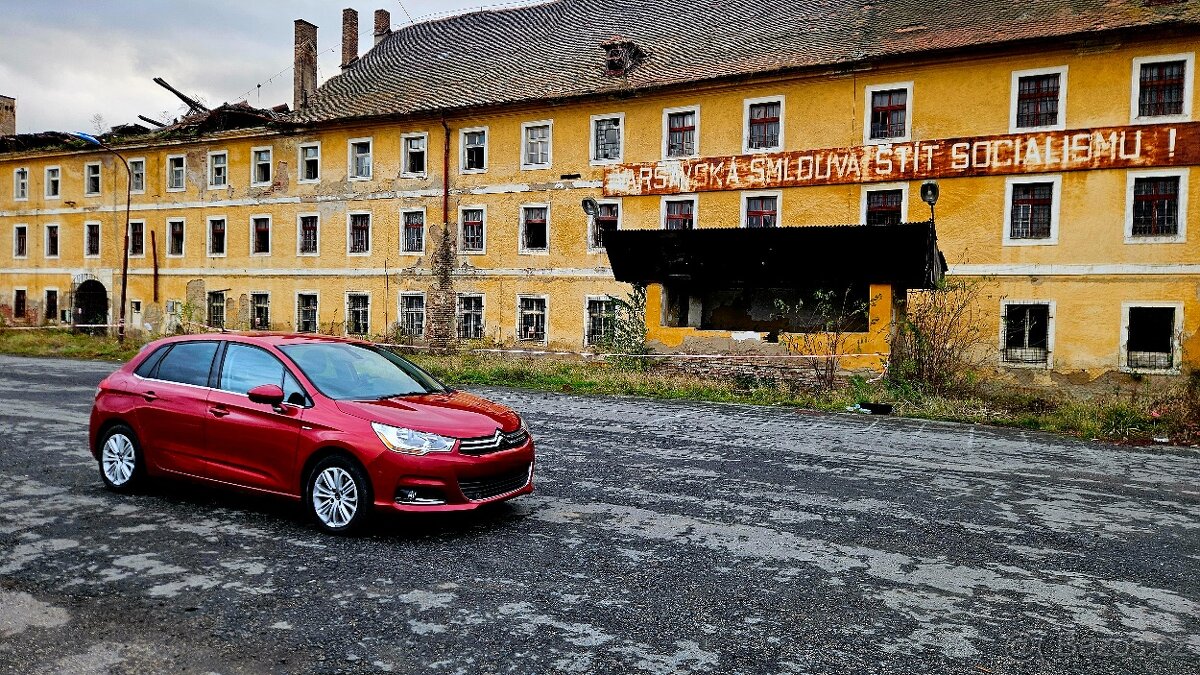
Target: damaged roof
<point x="904" y="255"/>
<point x="553" y="50"/>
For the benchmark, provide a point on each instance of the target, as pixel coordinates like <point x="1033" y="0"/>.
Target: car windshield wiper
<point x="399" y="395"/>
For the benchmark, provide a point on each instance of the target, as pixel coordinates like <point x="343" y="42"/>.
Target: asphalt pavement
<point x="663" y="537"/>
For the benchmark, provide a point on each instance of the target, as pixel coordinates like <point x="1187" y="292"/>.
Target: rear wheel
<point x="339" y="495"/>
<point x="121" y="463"/>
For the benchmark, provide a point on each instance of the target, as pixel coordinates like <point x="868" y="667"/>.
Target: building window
<point x="607" y="143"/>
<point x="680" y="214"/>
<point x="1151" y="338"/>
<point x="885" y="207"/>
<point x="218" y="169"/>
<point x="260" y="242"/>
<point x="20" y="241"/>
<point x="1161" y="88"/>
<point x="1039" y="98"/>
<point x="360" y="234"/>
<point x="309" y="235"/>
<point x="1026" y="333"/>
<point x="91" y="179"/>
<point x="1031" y="211"/>
<point x="216" y="236"/>
<point x="137" y="176"/>
<point x="599" y="322"/>
<point x="1155" y="206"/>
<point x="52" y="241"/>
<point x="51" y="305"/>
<point x="91" y="240"/>
<point x="531" y="319"/>
<point x="310" y="162"/>
<point x="888" y="112"/>
<point x="137" y="238"/>
<point x="19" y="304"/>
<point x="175" y="233"/>
<point x="414" y="148"/>
<point x="262" y="166"/>
<point x="763" y="125"/>
<point x="412" y="315"/>
<point x="413" y="238"/>
<point x="358" y="313"/>
<point x="681" y="132"/>
<point x="260" y="304"/>
<point x="21" y="184"/>
<point x="536" y="145"/>
<point x="175" y="172"/>
<point x="360" y="159"/>
<point x="470" y="317"/>
<point x="762" y="211"/>
<point x="472" y="240"/>
<point x="216" y="309"/>
<point x="306" y="312"/>
<point x="474" y="150"/>
<point x="607" y="219"/>
<point x="535" y="231"/>
<point x="53" y="179"/>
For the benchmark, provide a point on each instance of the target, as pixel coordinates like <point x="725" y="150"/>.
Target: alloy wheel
<point x="335" y="497"/>
<point x="118" y="459"/>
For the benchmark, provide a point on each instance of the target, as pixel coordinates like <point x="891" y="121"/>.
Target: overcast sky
<point x="67" y="61"/>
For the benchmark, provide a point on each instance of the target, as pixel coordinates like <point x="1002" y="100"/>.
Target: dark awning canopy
<point x="904" y="255"/>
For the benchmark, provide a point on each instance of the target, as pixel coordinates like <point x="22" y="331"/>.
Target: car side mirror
<point x="271" y="394"/>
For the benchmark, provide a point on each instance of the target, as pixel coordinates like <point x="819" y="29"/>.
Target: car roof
<point x="274" y="339"/>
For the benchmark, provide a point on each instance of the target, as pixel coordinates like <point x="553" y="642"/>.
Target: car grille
<point x="494" y="486"/>
<point x="495" y="443"/>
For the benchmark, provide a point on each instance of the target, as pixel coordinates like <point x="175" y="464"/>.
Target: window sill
<point x="216" y="255"/>
<point x="1178" y="239"/>
<point x="535" y="167"/>
<point x="483" y="252"/>
<point x="358" y="255"/>
<point x="262" y="185"/>
<point x="469" y="172"/>
<point x="1034" y="130"/>
<point x="415" y="176"/>
<point x="313" y="181"/>
<point x="888" y="141"/>
<point x="761" y="151"/>
<point x="309" y="255"/>
<point x="1161" y="119"/>
<point x="605" y="162"/>
<point x="539" y="251"/>
<point x="1051" y="241"/>
<point x="178" y="189"/>
<point x="358" y="179"/>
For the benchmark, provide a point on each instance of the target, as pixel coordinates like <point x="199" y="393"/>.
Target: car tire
<point x="338" y="495"/>
<point x="122" y="465"/>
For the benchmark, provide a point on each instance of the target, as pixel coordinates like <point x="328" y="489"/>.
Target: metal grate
<point x="1151" y="360"/>
<point x="495" y="486"/>
<point x="497" y="442"/>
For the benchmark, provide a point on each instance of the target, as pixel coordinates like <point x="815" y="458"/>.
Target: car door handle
<point x="150" y="397"/>
<point x="218" y="412"/>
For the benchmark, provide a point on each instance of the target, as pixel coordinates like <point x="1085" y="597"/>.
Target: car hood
<point x="455" y="414"/>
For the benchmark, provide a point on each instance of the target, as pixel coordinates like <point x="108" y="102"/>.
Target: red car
<point x="341" y="424"/>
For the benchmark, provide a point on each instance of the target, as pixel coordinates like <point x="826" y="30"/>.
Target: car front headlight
<point x="409" y="442"/>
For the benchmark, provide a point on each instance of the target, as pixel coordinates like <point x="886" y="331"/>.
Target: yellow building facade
<point x="220" y="218"/>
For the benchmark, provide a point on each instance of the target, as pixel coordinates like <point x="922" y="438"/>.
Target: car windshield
<point x="346" y="371"/>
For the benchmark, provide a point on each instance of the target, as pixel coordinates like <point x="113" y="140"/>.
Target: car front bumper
<point x="451" y="482"/>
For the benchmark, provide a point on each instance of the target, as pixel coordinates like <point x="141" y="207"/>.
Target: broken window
<point x="762" y="211"/>
<point x="470" y="317"/>
<point x="260" y="304"/>
<point x="885" y="207"/>
<point x="216" y="309"/>
<point x="91" y="179"/>
<point x="310" y="162"/>
<point x="413" y="240"/>
<point x="21" y="184"/>
<point x="607" y="218"/>
<point x="360" y="233"/>
<point x="1026" y="333"/>
<point x="19" y="304"/>
<point x="475" y="150"/>
<point x="137" y="175"/>
<point x="889" y="113"/>
<point x="414" y="154"/>
<point x="216" y="236"/>
<point x="261" y="244"/>
<point x="599" y="322"/>
<point x="262" y="166"/>
<point x="360" y="159"/>
<point x="218" y="169"/>
<point x="537" y="145"/>
<point x="53" y="176"/>
<point x="51" y="241"/>
<point x="472" y="230"/>
<point x="358" y="309"/>
<point x="531" y="319"/>
<point x="306" y="312"/>
<point x="1151" y="338"/>
<point x="20" y="241"/>
<point x="308" y="235"/>
<point x="681" y="134"/>
<point x="137" y="238"/>
<point x="1037" y="100"/>
<point x="175" y="173"/>
<point x="91" y="242"/>
<point x="607" y="139"/>
<point x="680" y="214"/>
<point x="764" y="125"/>
<point x="1032" y="209"/>
<point x="535" y="234"/>
<point x="175" y="237"/>
<point x="51" y="305"/>
<point x="1161" y="88"/>
<point x="1156" y="206"/>
<point x="769" y="310"/>
<point x="412" y="315"/>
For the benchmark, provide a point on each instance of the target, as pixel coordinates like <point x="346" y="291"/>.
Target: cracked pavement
<point x="663" y="537"/>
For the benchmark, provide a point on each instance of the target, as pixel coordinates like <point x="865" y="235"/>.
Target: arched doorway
<point x="91" y="306"/>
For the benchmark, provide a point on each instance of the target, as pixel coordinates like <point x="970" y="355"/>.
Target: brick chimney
<point x="8" y="116"/>
<point x="349" y="37"/>
<point x="383" y="24"/>
<point x="304" y="83"/>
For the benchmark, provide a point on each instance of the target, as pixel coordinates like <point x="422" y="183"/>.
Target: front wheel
<point x="121" y="460"/>
<point x="339" y="495"/>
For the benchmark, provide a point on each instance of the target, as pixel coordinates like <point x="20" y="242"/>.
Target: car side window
<point x="188" y="363"/>
<point x="147" y="366"/>
<point x="292" y="391"/>
<point x="247" y="367"/>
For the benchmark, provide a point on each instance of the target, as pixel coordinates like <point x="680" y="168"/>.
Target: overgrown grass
<point x="65" y="344"/>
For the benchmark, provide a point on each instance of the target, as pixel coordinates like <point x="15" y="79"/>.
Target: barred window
<point x="599" y="322"/>
<point x="608" y="139"/>
<point x="261" y="307"/>
<point x="680" y="214"/>
<point x="885" y="207"/>
<point x="470" y="317"/>
<point x="535" y="234"/>
<point x="412" y="315"/>
<point x="413" y="240"/>
<point x="1150" y="341"/>
<point x="262" y="236"/>
<point x="1032" y="206"/>
<point x="306" y="313"/>
<point x="1156" y="206"/>
<point x="1026" y="333"/>
<point x="681" y="134"/>
<point x="358" y="319"/>
<point x="764" y="125"/>
<point x="889" y="113"/>
<point x="1037" y="100"/>
<point x="472" y="230"/>
<point x="360" y="233"/>
<point x="308" y="235"/>
<point x="607" y="219"/>
<point x="532" y="319"/>
<point x="762" y="211"/>
<point x="1161" y="88"/>
<point x="216" y="309"/>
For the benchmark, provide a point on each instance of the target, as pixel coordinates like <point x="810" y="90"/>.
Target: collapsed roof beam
<point x="154" y="122"/>
<point x="191" y="103"/>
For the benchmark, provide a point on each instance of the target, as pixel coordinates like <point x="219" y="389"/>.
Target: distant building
<point x="8" y="116"/>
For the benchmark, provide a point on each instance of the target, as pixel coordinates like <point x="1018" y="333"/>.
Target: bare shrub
<point x="942" y="340"/>
<point x="830" y="327"/>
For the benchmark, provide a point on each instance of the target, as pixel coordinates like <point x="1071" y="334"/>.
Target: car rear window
<point x="147" y="366"/>
<point x="188" y="363"/>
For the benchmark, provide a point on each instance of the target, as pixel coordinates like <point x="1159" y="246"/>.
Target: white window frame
<point x="666" y="131"/>
<point x="525" y="126"/>
<point x="211" y="155"/>
<point x="1050" y="321"/>
<point x="15" y="183"/>
<point x="18" y="226"/>
<point x="694" y="198"/>
<point x="131" y="161"/>
<point x="99" y="179"/>
<point x="473" y="207"/>
<point x="1015" y="90"/>
<point x="208" y="237"/>
<point x="350" y="168"/>
<point x="182" y="249"/>
<point x="270" y="235"/>
<point x="521" y="250"/>
<point x="46" y="179"/>
<point x="1176" y="338"/>
<point x="747" y="195"/>
<point x="1055" y="209"/>
<point x="300" y="163"/>
<point x="99" y="239"/>
<point x="254" y="165"/>
<point x="587" y="299"/>
<point x="592" y="159"/>
<point x="296" y="308"/>
<point x="1189" y="81"/>
<point x="592" y="222"/>
<point x="482" y="312"/>
<point x="300" y="233"/>
<point x="462" y="149"/>
<point x="868" y="94"/>
<point x="46" y="241"/>
<point x="424" y="310"/>
<point x="183" y="168"/>
<point x="883" y="187"/>
<point x="424" y="231"/>
<point x="404" y="138"/>
<point x="1183" y="174"/>
<point x="370" y="232"/>
<point x="346" y="312"/>
<point x="746" y="103"/>
<point x="144" y="247"/>
<point x="517" y="326"/>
